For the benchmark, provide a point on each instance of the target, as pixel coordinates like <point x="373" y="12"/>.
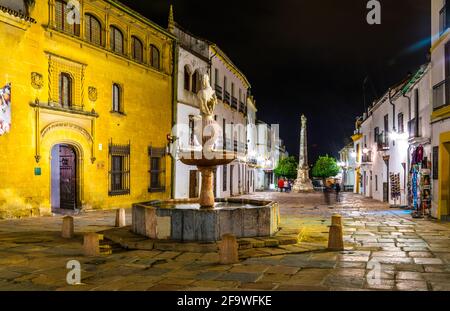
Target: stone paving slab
<point x="411" y="254"/>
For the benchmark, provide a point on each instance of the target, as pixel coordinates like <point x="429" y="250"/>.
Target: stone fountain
<point x="207" y="219"/>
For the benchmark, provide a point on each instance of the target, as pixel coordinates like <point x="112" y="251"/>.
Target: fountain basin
<point x="187" y="221"/>
<point x="198" y="158"/>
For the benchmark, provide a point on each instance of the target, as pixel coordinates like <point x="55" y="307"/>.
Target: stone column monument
<point x="303" y="183"/>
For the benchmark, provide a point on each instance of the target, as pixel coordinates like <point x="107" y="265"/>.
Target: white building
<point x="440" y="116"/>
<point x="347" y="158"/>
<point x="387" y="138"/>
<point x="196" y="57"/>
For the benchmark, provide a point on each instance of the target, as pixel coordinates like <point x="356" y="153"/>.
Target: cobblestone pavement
<point x="385" y="250"/>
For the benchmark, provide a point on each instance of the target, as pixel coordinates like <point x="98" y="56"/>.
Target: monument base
<point x="303" y="186"/>
<point x="303" y="183"/>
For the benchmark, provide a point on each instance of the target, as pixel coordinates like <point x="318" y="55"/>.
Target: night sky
<point x="309" y="56"/>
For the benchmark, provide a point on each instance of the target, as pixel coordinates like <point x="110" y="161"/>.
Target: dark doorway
<point x="193" y="184"/>
<point x="64" y="177"/>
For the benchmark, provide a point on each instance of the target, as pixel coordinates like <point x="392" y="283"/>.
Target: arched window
<point x="93" y="29"/>
<point x="137" y="49"/>
<point x="65" y="90"/>
<point x="195" y="82"/>
<point x="116" y="40"/>
<point x="116" y="98"/>
<point x="187" y="78"/>
<point x="61" y="18"/>
<point x="154" y="57"/>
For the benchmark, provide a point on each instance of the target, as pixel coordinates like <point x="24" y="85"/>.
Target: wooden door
<point x="68" y="177"/>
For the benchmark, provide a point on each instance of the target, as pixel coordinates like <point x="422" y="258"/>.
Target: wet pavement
<point x="385" y="250"/>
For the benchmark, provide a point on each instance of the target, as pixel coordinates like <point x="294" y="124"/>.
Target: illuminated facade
<point x="440" y="118"/>
<point x="90" y="107"/>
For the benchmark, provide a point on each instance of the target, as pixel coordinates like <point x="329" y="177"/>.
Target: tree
<point x="325" y="167"/>
<point x="287" y="167"/>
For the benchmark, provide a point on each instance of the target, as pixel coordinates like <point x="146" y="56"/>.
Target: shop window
<point x="61" y="13"/>
<point x="154" y="57"/>
<point x="119" y="169"/>
<point x="157" y="169"/>
<point x="93" y="29"/>
<point x="435" y="163"/>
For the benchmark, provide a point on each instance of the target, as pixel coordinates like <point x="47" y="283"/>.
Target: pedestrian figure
<point x="337" y="188"/>
<point x="280" y="184"/>
<point x="286" y="185"/>
<point x="326" y="193"/>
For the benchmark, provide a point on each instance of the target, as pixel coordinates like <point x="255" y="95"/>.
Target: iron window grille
<point x="119" y="169"/>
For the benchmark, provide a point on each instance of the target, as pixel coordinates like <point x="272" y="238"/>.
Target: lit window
<point x="93" y="29"/>
<point x="137" y="49"/>
<point x="116" y="40"/>
<point x="116" y="98"/>
<point x="154" y="57"/>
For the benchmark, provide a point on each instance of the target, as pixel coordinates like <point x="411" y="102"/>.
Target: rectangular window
<point x="119" y="169"/>
<point x="224" y="134"/>
<point x="401" y="126"/>
<point x="191" y="130"/>
<point x="435" y="163"/>
<point x="157" y="169"/>
<point x="224" y="178"/>
<point x="376" y="182"/>
<point x="376" y="134"/>
<point x="117" y="98"/>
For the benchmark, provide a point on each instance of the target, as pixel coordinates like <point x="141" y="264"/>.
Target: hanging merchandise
<point x="420" y="183"/>
<point x="414" y="188"/>
<point x="395" y="186"/>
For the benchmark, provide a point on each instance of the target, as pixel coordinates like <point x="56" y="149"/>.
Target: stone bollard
<point x="228" y="250"/>
<point x="121" y="220"/>
<point x="67" y="228"/>
<point x="91" y="245"/>
<point x="336" y="237"/>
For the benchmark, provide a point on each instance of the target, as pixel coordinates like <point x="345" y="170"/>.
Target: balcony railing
<point x="440" y="95"/>
<point x="367" y="158"/>
<point x="383" y="142"/>
<point x="219" y="92"/>
<point x="226" y="97"/>
<point x="234" y="103"/>
<point x="242" y="107"/>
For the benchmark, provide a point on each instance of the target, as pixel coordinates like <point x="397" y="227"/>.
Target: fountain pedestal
<point x="207" y="194"/>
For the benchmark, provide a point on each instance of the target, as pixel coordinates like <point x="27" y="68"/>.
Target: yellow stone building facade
<point x="89" y="88"/>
